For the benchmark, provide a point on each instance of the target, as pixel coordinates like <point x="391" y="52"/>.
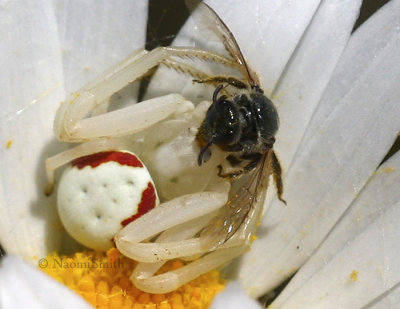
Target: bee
<point x="241" y="121"/>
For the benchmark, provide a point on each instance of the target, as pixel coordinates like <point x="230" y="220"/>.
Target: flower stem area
<point x="103" y="280"/>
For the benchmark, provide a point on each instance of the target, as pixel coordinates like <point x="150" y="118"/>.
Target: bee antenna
<point x="257" y="88"/>
<point x="216" y="92"/>
<point x="202" y="152"/>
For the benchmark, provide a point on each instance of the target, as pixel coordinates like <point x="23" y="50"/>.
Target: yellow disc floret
<point x="103" y="280"/>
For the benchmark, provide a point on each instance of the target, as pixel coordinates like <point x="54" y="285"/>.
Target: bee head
<point x="221" y="125"/>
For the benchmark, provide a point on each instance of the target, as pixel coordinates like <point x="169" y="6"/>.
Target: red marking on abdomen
<point x="147" y="203"/>
<point x="96" y="159"/>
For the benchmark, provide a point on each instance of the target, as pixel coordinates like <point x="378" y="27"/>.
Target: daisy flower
<point x="337" y="96"/>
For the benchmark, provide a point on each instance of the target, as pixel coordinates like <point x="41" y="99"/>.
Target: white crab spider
<point x="180" y="218"/>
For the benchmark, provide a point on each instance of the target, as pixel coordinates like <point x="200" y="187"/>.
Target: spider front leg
<point x="71" y="124"/>
<point x="170" y="216"/>
<point x="144" y="279"/>
<point x="181" y="222"/>
<point x="124" y="121"/>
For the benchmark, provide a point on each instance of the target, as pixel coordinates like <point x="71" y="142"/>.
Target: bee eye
<point x="228" y="129"/>
<point x="222" y="123"/>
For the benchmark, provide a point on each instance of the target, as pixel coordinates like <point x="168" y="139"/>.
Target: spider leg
<point x="164" y="251"/>
<point x="143" y="277"/>
<point x="71" y="124"/>
<point x="128" y="120"/>
<point x="164" y="217"/>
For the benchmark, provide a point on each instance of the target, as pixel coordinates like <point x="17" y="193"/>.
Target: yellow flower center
<point x="103" y="280"/>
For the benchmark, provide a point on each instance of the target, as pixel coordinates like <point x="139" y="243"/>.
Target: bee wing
<point x="207" y="18"/>
<point x="240" y="209"/>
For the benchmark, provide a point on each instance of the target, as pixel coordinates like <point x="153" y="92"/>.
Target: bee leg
<point x="277" y="174"/>
<point x="184" y="68"/>
<point x="201" y="157"/>
<point x="235" y="82"/>
<point x="231" y="175"/>
<point x="254" y="160"/>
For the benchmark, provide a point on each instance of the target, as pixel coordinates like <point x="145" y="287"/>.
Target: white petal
<point x="334" y="162"/>
<point x="309" y="70"/>
<point x="390" y="300"/>
<point x="95" y="35"/>
<point x="32" y="85"/>
<point x="23" y="286"/>
<point x="362" y="238"/>
<point x="234" y="297"/>
<point x="361" y="271"/>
